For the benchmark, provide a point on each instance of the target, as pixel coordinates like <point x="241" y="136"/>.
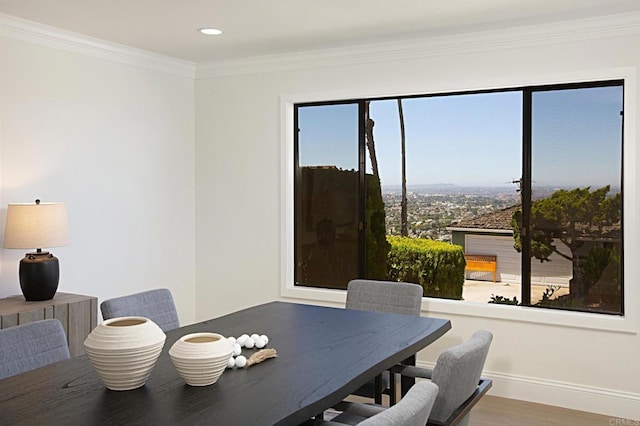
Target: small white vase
<point x="124" y="351"/>
<point x="201" y="358"/>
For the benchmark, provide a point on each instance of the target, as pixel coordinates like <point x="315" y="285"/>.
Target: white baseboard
<point x="608" y="402"/>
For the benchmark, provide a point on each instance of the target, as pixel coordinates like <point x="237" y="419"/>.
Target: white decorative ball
<point x="260" y="343"/>
<point x="249" y="343"/>
<point x="242" y="339"/>
<point x="237" y="349"/>
<point x="231" y="363"/>
<point x="231" y="339"/>
<point x="255" y="336"/>
<point x="265" y="338"/>
<point x="241" y="361"/>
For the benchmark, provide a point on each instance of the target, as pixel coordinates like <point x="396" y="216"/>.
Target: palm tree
<point x="368" y="133"/>
<point x="404" y="229"/>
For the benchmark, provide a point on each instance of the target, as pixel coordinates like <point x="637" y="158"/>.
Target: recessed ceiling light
<point x="210" y="31"/>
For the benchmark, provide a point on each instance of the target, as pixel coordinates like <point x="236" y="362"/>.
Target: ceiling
<point x="267" y="27"/>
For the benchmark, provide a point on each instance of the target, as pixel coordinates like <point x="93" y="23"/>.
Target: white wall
<point x="243" y="197"/>
<point x="116" y="144"/>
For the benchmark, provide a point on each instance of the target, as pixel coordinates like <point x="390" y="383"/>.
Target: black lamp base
<point x="39" y="275"/>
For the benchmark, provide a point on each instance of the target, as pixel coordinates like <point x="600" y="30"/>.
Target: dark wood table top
<point x="324" y="354"/>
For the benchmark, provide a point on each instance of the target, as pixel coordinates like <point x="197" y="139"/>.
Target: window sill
<point x="559" y="318"/>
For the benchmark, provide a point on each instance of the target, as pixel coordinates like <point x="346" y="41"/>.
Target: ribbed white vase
<point x="201" y="358"/>
<point x="124" y="351"/>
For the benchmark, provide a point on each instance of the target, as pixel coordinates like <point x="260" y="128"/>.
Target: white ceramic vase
<point x="124" y="351"/>
<point x="201" y="358"/>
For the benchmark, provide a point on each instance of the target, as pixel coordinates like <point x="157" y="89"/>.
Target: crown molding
<point x="44" y="35"/>
<point x="516" y="37"/>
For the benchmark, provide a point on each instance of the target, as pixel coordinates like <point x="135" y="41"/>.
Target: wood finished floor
<point x="493" y="410"/>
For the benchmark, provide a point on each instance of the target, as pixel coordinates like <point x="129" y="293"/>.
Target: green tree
<point x="585" y="221"/>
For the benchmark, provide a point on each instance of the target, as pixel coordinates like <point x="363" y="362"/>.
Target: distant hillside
<point x="451" y="189"/>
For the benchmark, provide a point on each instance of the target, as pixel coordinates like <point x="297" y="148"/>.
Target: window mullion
<point x="525" y="194"/>
<point x="362" y="200"/>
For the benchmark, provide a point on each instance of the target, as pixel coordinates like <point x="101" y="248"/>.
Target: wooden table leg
<point x="377" y="392"/>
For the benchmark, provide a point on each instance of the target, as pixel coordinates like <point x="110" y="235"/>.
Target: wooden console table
<point x="77" y="313"/>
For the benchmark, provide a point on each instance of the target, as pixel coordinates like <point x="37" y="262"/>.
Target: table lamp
<point x="33" y="226"/>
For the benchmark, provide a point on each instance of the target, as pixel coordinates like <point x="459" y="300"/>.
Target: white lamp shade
<point x="32" y="226"/>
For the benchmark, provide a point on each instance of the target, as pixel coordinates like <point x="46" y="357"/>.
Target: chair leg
<point x="407" y="382"/>
<point x="465" y="420"/>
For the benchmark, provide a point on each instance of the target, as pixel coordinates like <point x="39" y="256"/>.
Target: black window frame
<point x="525" y="180"/>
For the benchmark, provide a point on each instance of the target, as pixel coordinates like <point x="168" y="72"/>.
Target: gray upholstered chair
<point x="33" y="345"/>
<point x="457" y="373"/>
<point x="157" y="305"/>
<point x="383" y="296"/>
<point x="412" y="410"/>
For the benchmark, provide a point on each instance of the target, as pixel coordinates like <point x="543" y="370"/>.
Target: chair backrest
<point x="384" y="296"/>
<point x="33" y="345"/>
<point x="412" y="410"/>
<point x="157" y="305"/>
<point x="457" y="373"/>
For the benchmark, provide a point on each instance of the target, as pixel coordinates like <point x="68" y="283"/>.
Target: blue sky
<point x="329" y="136"/>
<point x="465" y="140"/>
<point x="476" y="139"/>
<point x="576" y="137"/>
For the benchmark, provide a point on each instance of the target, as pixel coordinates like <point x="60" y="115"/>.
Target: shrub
<point x="437" y="266"/>
<point x="501" y="300"/>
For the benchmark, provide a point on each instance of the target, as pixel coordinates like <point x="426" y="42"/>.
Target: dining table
<point x="323" y="355"/>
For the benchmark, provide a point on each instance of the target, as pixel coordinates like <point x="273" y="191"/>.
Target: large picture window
<point x="505" y="196"/>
